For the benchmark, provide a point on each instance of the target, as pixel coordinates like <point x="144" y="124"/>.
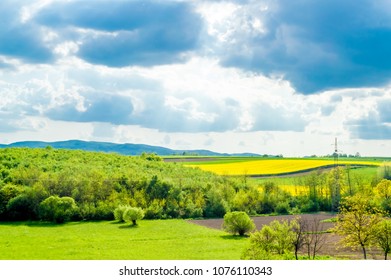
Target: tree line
<point x="60" y="185"/>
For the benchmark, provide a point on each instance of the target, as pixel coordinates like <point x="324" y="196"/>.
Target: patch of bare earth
<point x="331" y="246"/>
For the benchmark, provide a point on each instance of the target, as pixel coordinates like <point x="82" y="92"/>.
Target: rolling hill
<point x="124" y="149"/>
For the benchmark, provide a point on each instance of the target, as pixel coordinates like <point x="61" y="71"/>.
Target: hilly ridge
<point x="124" y="149"/>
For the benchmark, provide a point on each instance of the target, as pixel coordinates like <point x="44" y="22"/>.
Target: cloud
<point x="122" y="33"/>
<point x="370" y="129"/>
<point x="376" y="124"/>
<point x="96" y="107"/>
<point x="384" y="109"/>
<point x="268" y="118"/>
<point x="19" y="39"/>
<point x="184" y="114"/>
<point x="317" y="46"/>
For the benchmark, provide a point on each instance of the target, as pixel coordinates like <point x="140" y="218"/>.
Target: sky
<point x="262" y="76"/>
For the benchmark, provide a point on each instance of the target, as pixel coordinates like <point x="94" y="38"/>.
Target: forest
<point x="60" y="185"/>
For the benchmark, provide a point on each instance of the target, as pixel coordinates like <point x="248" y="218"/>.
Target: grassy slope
<point x="151" y="240"/>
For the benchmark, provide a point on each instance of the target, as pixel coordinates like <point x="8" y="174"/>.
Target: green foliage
<point x="275" y="200"/>
<point x="151" y="157"/>
<point x="273" y="241"/>
<point x="8" y="192"/>
<point x="357" y="222"/>
<point x="385" y="171"/>
<point x="58" y="209"/>
<point x="383" y="236"/>
<point x="238" y="223"/>
<point x="99" y="182"/>
<point x="132" y="214"/>
<point x="119" y="213"/>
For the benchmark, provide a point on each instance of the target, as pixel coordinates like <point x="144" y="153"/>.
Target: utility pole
<point x="336" y="188"/>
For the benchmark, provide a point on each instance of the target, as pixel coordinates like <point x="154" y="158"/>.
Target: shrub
<point x="282" y="207"/>
<point x="21" y="208"/>
<point x="238" y="223"/>
<point x="273" y="241"/>
<point x="119" y="213"/>
<point x="133" y="214"/>
<point x="58" y="209"/>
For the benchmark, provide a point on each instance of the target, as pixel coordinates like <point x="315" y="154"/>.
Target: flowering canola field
<point x="273" y="166"/>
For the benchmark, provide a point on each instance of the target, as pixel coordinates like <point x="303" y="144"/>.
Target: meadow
<point x="107" y="240"/>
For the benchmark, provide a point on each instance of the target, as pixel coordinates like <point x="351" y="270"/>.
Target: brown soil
<point x="330" y="246"/>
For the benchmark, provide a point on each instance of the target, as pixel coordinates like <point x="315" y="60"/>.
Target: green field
<point x="108" y="240"/>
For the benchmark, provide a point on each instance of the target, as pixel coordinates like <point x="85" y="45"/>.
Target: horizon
<point x="227" y="76"/>
<point x="330" y="155"/>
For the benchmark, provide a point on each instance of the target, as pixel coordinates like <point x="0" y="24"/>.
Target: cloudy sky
<point x="263" y="76"/>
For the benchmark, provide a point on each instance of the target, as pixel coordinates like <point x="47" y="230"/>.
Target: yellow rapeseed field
<point x="271" y="166"/>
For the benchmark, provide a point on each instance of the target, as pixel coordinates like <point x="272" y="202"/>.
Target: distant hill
<point x="124" y="149"/>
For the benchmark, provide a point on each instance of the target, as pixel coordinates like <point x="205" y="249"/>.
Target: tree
<point x="58" y="209"/>
<point x="133" y="214"/>
<point x="383" y="189"/>
<point x="357" y="222"/>
<point x="119" y="213"/>
<point x="299" y="227"/>
<point x="315" y="238"/>
<point x="383" y="236"/>
<point x="273" y="241"/>
<point x="238" y="223"/>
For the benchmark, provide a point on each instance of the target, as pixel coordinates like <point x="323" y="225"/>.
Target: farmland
<point x="267" y="167"/>
<point x="169" y="193"/>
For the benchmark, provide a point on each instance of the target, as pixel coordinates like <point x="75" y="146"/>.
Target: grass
<point x="273" y="166"/>
<point x="107" y="240"/>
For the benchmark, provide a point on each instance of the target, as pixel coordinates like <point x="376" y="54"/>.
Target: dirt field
<point x="330" y="247"/>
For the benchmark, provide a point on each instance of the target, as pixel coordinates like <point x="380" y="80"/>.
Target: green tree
<point x="132" y="214"/>
<point x="383" y="236"/>
<point x="357" y="222"/>
<point x="383" y="189"/>
<point x="238" y="223"/>
<point x="273" y="241"/>
<point x="8" y="192"/>
<point x="119" y="212"/>
<point x="299" y="228"/>
<point x="58" y="209"/>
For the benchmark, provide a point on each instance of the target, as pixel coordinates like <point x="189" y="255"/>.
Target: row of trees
<point x="278" y="240"/>
<point x="359" y="222"/>
<point x="98" y="183"/>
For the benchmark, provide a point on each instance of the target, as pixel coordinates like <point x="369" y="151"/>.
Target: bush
<point x="238" y="223"/>
<point x="133" y="214"/>
<point x="21" y="208"/>
<point x="119" y="213"/>
<point x="58" y="209"/>
<point x="273" y="241"/>
<point x="282" y="208"/>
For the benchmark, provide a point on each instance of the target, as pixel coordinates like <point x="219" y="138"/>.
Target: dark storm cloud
<point x="132" y="32"/>
<point x="98" y="108"/>
<point x="320" y="45"/>
<point x="18" y="39"/>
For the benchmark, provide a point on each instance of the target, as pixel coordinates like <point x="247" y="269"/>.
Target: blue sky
<point x="272" y="76"/>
